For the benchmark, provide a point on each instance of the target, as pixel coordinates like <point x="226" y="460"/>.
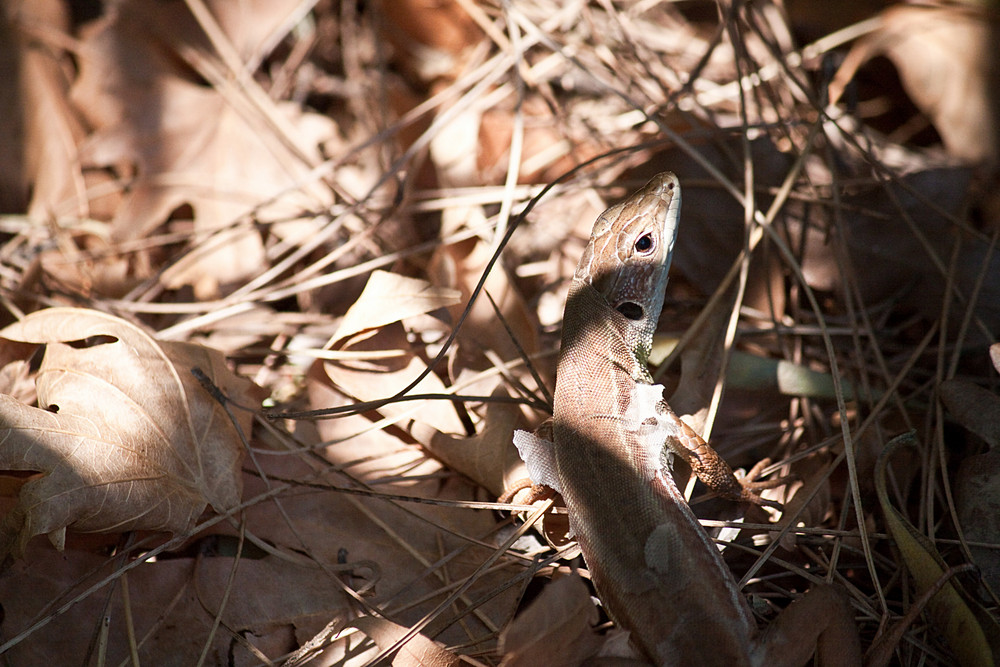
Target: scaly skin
<point x="658" y="573"/>
<point x="648" y="555"/>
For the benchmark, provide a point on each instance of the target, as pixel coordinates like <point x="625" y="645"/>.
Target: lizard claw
<point x="751" y="486"/>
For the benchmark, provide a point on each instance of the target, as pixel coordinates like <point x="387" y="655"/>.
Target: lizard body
<point x="658" y="573"/>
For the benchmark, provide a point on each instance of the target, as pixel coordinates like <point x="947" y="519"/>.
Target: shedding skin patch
<point x="539" y="457"/>
<point x="642" y="418"/>
<point x="662" y="549"/>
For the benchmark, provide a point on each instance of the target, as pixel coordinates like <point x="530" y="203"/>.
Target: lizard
<point x="658" y="573"/>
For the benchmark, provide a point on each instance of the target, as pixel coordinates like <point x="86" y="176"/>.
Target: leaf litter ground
<point x="313" y="192"/>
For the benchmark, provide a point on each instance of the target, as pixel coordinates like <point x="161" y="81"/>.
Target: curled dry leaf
<point x="129" y="440"/>
<point x="947" y="60"/>
<point x="487" y="457"/>
<point x="408" y="296"/>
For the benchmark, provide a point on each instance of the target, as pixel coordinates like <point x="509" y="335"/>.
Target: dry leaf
<point x="224" y="151"/>
<point x="129" y="439"/>
<point x="52" y="129"/>
<point x="975" y="408"/>
<point x="97" y="268"/>
<point x="429" y="37"/>
<point x="555" y="629"/>
<point x="406" y="296"/>
<point x="489" y="457"/>
<point x="820" y="624"/>
<point x="947" y="59"/>
<point x="460" y="266"/>
<point x="977" y="503"/>
<point x="270" y="602"/>
<point x="397" y="535"/>
<point x="419" y="651"/>
<point x="977" y="482"/>
<point x="886" y="230"/>
<point x="370" y="327"/>
<point x="376" y="358"/>
<point x="966" y="626"/>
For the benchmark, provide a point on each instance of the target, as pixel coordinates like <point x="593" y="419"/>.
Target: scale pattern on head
<point x="628" y="256"/>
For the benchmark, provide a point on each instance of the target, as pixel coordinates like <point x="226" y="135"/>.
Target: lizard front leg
<point x="712" y="469"/>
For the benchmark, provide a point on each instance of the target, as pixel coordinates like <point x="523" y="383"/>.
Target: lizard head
<point x="628" y="256"/>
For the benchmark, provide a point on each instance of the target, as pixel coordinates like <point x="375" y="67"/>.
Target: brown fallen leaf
<point x="226" y="150"/>
<point x="385" y="363"/>
<point x="946" y="56"/>
<point x="127" y="439"/>
<point x="459" y="266"/>
<point x="420" y="650"/>
<point x="269" y="601"/>
<point x="375" y="357"/>
<point x="406" y="296"/>
<point x="556" y="629"/>
<point x="977" y="481"/>
<point x="487" y="457"/>
<point x="52" y="128"/>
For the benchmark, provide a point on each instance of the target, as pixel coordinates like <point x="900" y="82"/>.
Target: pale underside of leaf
<point x="128" y="440"/>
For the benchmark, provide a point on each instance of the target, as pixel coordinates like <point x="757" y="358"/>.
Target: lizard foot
<point x="526" y="492"/>
<point x="751" y="486"/>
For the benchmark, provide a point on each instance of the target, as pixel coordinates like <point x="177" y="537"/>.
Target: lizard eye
<point x="644" y="244"/>
<point x="631" y="310"/>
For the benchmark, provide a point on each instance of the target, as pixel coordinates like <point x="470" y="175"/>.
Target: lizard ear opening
<point x="631" y="310"/>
